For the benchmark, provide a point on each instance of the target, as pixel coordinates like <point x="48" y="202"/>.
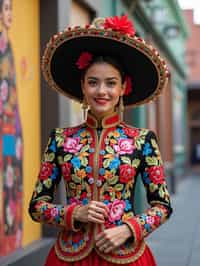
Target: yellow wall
<point x="24" y="36"/>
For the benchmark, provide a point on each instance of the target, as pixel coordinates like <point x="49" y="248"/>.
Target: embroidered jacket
<point x="103" y="166"/>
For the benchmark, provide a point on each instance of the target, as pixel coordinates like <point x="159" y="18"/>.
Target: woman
<point x="102" y="66"/>
<point x="10" y="139"/>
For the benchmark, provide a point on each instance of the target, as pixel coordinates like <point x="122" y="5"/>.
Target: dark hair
<point x="106" y="59"/>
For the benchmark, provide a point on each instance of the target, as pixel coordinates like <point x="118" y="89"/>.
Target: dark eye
<point x="111" y="83"/>
<point x="92" y="82"/>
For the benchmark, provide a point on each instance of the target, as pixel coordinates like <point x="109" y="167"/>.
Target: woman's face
<point x="102" y="87"/>
<point x="6" y="14"/>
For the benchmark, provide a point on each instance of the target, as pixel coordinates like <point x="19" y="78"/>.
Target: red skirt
<point x="93" y="259"/>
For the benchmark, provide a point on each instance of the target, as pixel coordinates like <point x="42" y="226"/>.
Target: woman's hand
<point x="110" y="239"/>
<point x="94" y="212"/>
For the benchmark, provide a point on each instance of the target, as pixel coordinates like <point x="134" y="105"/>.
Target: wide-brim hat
<point x="113" y="37"/>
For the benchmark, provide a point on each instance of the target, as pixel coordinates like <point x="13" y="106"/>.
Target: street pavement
<point x="177" y="242"/>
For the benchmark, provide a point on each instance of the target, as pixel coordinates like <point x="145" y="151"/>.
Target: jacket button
<point x="91" y="180"/>
<point x="98" y="183"/>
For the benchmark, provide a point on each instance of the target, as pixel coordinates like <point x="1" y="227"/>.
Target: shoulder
<point x="136" y="131"/>
<point x="67" y="131"/>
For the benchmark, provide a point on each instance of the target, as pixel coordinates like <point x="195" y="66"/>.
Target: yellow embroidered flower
<point x="113" y="141"/>
<point x="83" y="134"/>
<point x="81" y="173"/>
<point x="126" y="216"/>
<point x="116" y="134"/>
<point x="108" y="174"/>
<point x="83" y="154"/>
<point x="109" y="156"/>
<point x="84" y="141"/>
<point x="118" y="194"/>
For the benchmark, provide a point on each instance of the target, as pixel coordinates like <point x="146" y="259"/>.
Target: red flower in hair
<point x="128" y="88"/>
<point x="121" y="24"/>
<point x="84" y="60"/>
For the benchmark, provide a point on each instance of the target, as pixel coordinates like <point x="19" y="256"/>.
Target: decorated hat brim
<point x="140" y="61"/>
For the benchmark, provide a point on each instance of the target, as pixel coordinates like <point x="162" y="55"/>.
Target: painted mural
<point x="11" y="148"/>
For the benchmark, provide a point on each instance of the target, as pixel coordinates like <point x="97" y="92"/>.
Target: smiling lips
<point x="101" y="101"/>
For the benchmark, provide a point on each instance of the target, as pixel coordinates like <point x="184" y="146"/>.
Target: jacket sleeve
<point x="41" y="208"/>
<point x="152" y="172"/>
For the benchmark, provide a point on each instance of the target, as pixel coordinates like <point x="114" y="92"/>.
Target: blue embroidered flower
<point x="106" y="202"/>
<point x="147" y="149"/>
<point x="119" y="222"/>
<point x="121" y="132"/>
<point x="146" y="179"/>
<point x="85" y="201"/>
<point x="101" y="171"/>
<point x="88" y="169"/>
<point x="102" y="152"/>
<point x="147" y="227"/>
<point x="76" y="162"/>
<point x="128" y="205"/>
<point x="114" y="163"/>
<point x="53" y="146"/>
<point x="55" y="173"/>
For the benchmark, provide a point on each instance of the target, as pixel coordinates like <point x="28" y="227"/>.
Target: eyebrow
<point x="109" y="78"/>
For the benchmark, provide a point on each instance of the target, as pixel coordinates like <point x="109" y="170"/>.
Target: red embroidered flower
<point x="128" y="88"/>
<point x="121" y="24"/>
<point x="84" y="60"/>
<point x="47" y="214"/>
<point x="126" y="173"/>
<point x="131" y="132"/>
<point x="156" y="174"/>
<point x="66" y="170"/>
<point x="70" y="131"/>
<point x="46" y="171"/>
<point x="157" y="220"/>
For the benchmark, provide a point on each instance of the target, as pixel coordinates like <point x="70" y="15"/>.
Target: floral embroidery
<point x="156" y="174"/>
<point x="124" y="146"/>
<point x="127" y="173"/>
<point x="46" y="171"/>
<point x="116" y="210"/>
<point x="66" y="169"/>
<point x="72" y="145"/>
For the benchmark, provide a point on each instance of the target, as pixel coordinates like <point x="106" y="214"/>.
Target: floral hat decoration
<point x="71" y="51"/>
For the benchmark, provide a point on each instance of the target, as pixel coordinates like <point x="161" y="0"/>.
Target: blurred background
<point x="29" y="110"/>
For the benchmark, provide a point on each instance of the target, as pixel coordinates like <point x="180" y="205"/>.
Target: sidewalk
<point x="177" y="243"/>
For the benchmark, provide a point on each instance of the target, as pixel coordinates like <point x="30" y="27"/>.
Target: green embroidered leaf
<point x="109" y="149"/>
<point x="47" y="183"/>
<point x="60" y="159"/>
<point x="49" y="157"/>
<point x="39" y="187"/>
<point x="67" y="157"/>
<point x="72" y="185"/>
<point x="106" y="163"/>
<point x="113" y="180"/>
<point x="153" y="187"/>
<point x="112" y="196"/>
<point x="151" y="160"/>
<point x="139" y="141"/>
<point x="127" y="194"/>
<point x="84" y="161"/>
<point x="113" y="171"/>
<point x="154" y="144"/>
<point x="126" y="160"/>
<point x="76" y="179"/>
<point x="85" y="148"/>
<point x="59" y="140"/>
<point x="135" y="163"/>
<point x="119" y="187"/>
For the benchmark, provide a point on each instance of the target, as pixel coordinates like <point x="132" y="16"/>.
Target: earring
<point x="121" y="107"/>
<point x="84" y="108"/>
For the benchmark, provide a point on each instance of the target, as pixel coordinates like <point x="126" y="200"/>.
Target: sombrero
<point x="113" y="36"/>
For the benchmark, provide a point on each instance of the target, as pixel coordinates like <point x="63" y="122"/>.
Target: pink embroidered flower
<point x="19" y="148"/>
<point x="116" y="210"/>
<point x="66" y="171"/>
<point x="54" y="212"/>
<point x="121" y="24"/>
<point x="156" y="174"/>
<point x="126" y="173"/>
<point x="150" y="220"/>
<point x="9" y="176"/>
<point x="3" y="44"/>
<point x="4" y="90"/>
<point x="131" y="132"/>
<point x="74" y="200"/>
<point x="46" y="171"/>
<point x="125" y="146"/>
<point x="72" y="145"/>
<point x="84" y="60"/>
<point x="128" y="88"/>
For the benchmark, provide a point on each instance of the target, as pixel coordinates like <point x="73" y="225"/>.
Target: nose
<point x="102" y="88"/>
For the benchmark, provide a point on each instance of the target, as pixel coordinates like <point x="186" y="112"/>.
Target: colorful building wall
<point x="20" y="124"/>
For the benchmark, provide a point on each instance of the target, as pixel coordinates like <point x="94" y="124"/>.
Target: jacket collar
<point x="108" y="121"/>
